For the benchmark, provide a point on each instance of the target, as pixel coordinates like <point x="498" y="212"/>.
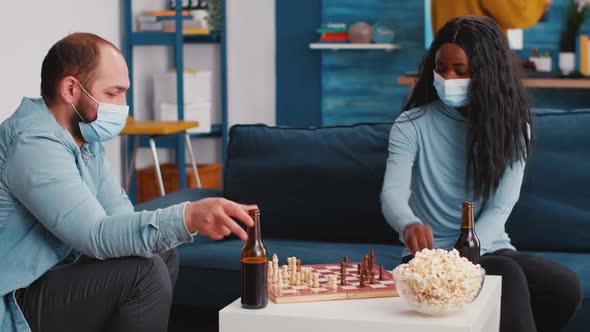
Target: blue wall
<point x="330" y="88"/>
<point x="360" y="86"/>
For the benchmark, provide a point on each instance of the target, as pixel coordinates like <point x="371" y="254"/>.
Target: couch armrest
<point x="190" y="194"/>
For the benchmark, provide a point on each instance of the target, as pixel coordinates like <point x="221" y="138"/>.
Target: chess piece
<point x="358" y="269"/>
<point x="363" y="281"/>
<point x="365" y="262"/>
<point x="269" y="270"/>
<point x="380" y="272"/>
<point x="280" y="283"/>
<point x="298" y="265"/>
<point x="372" y="280"/>
<point x="342" y="274"/>
<point x="371" y="259"/>
<point x="316" y="280"/>
<point x="345" y="260"/>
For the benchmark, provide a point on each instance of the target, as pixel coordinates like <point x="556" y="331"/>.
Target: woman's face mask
<point x="454" y="93"/>
<point x="109" y="123"/>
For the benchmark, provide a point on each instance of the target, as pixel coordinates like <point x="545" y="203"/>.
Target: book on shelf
<point x="152" y="18"/>
<point x="191" y="31"/>
<point x="164" y="12"/>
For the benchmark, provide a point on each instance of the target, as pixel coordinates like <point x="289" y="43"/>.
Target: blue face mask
<point x="454" y="93"/>
<point x="109" y="123"/>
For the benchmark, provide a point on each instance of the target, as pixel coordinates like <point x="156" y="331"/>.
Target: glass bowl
<point x="438" y="296"/>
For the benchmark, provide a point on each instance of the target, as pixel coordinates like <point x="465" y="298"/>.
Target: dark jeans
<point x="537" y="294"/>
<point x="119" y="294"/>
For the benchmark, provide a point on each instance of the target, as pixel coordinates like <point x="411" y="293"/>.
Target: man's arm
<point x="110" y="194"/>
<point x="41" y="173"/>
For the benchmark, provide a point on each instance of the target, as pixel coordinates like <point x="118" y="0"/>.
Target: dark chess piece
<point x="298" y="262"/>
<point x="342" y="274"/>
<point x="363" y="281"/>
<point x="372" y="280"/>
<point x="359" y="269"/>
<point x="345" y="260"/>
<point x="371" y="259"/>
<point x="380" y="272"/>
<point x="365" y="262"/>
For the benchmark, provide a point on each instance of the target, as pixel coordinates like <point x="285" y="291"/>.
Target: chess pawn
<point x="372" y="281"/>
<point x="380" y="272"/>
<point x="269" y="270"/>
<point x="316" y="280"/>
<point x="363" y="281"/>
<point x="334" y="283"/>
<point x="280" y="283"/>
<point x="359" y="269"/>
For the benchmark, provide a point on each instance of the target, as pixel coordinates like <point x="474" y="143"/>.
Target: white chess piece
<point x="280" y="283"/>
<point x="316" y="280"/>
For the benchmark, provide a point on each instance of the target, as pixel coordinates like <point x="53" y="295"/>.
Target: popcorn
<point x="439" y="281"/>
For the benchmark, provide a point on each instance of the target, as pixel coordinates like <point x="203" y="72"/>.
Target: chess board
<point x="352" y="289"/>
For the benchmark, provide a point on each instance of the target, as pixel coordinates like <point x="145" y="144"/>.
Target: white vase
<point x="567" y="62"/>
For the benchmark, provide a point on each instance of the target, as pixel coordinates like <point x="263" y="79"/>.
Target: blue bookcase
<point x="176" y="40"/>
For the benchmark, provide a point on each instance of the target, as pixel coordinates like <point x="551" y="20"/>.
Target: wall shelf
<point x="547" y="83"/>
<point x="353" y="46"/>
<point x="148" y="38"/>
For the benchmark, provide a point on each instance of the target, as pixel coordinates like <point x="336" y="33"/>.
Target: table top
<point x="389" y="310"/>
<point x="157" y="128"/>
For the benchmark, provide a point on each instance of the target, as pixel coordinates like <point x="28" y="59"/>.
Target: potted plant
<point x="576" y="15"/>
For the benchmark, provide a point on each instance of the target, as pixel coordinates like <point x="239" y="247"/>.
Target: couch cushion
<point x="553" y="212"/>
<point x="314" y="184"/>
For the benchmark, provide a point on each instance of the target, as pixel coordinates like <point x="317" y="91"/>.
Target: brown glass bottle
<point x="468" y="243"/>
<point x="253" y="273"/>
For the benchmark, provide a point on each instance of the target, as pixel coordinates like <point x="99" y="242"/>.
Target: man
<point x="74" y="255"/>
<point x="509" y="14"/>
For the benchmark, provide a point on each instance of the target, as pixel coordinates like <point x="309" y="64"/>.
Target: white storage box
<point x="200" y="112"/>
<point x="197" y="88"/>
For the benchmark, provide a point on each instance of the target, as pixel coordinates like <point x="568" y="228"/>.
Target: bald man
<point x="74" y="255"/>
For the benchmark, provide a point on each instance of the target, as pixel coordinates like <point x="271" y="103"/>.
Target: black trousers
<point x="537" y="294"/>
<point x="119" y="294"/>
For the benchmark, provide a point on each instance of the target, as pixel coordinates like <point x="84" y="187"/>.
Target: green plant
<point x="576" y="15"/>
<point x="214" y="18"/>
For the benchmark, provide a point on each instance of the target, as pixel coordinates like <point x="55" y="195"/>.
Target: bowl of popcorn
<point x="438" y="282"/>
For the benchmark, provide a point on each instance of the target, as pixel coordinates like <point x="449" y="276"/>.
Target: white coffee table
<point x="381" y="314"/>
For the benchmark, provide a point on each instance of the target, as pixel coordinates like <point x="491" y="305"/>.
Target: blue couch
<point x="318" y="191"/>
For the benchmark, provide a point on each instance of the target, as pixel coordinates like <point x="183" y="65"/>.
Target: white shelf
<point x="352" y="46"/>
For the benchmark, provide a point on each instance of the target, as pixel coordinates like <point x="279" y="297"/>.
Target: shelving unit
<point x="548" y="83"/>
<point x="176" y="40"/>
<point x="352" y="46"/>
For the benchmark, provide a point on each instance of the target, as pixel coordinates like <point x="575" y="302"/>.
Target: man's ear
<point x="67" y="89"/>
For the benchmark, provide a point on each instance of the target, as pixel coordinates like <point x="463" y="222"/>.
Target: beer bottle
<point x="468" y="243"/>
<point x="253" y="272"/>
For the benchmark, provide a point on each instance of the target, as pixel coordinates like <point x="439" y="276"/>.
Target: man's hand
<point x="418" y="237"/>
<point x="212" y="217"/>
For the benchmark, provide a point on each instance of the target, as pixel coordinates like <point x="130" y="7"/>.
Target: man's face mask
<point x="454" y="93"/>
<point x="109" y="122"/>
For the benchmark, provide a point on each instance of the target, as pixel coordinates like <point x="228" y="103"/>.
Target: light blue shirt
<point x="58" y="200"/>
<point x="425" y="180"/>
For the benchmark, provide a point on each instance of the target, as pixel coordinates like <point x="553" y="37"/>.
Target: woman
<point x="464" y="134"/>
